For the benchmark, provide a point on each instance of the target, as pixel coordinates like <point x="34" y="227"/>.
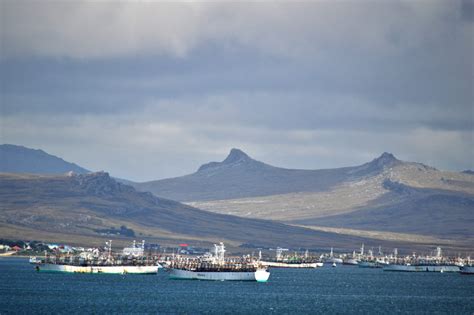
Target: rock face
<point x="383" y="162"/>
<point x="100" y="184"/>
<point x="18" y="159"/>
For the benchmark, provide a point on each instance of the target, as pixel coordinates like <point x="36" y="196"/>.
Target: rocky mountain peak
<point x="386" y="159"/>
<point x="235" y="156"/>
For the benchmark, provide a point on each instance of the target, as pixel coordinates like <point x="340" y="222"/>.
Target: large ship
<point x="333" y="260"/>
<point x="295" y="261"/>
<point x="436" y="263"/>
<point x="422" y="268"/>
<point x="97" y="262"/>
<point x="216" y="267"/>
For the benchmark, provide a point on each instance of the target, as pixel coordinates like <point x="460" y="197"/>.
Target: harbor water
<point x="341" y="290"/>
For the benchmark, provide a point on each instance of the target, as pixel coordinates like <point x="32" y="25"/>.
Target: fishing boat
<point x="332" y="260"/>
<point x="295" y="261"/>
<point x="277" y="264"/>
<point x="216" y="267"/>
<point x="422" y="268"/>
<point x="96" y="262"/>
<point x="436" y="263"/>
<point x="351" y="261"/>
<point x="105" y="268"/>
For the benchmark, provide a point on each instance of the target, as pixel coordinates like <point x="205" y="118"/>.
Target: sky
<point x="149" y="90"/>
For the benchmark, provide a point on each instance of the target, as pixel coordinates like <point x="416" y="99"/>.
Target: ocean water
<point x="341" y="290"/>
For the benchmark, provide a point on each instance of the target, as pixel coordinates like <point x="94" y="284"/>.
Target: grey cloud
<point x="100" y="29"/>
<point x="150" y="90"/>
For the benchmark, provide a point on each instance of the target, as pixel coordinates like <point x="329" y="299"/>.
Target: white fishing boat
<point x="278" y="264"/>
<point x="351" y="261"/>
<point x="215" y="267"/>
<point x="295" y="261"/>
<point x="422" y="268"/>
<point x="436" y="263"/>
<point x="95" y="262"/>
<point x="333" y="260"/>
<point x="106" y="269"/>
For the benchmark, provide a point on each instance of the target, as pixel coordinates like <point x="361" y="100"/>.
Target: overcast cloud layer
<point x="149" y="90"/>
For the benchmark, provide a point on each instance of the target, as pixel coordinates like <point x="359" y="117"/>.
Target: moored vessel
<point x="96" y="262"/>
<point x="422" y="268"/>
<point x="434" y="263"/>
<point x="110" y="269"/>
<point x="295" y="261"/>
<point x="278" y="264"/>
<point x="216" y="267"/>
<point x="332" y="260"/>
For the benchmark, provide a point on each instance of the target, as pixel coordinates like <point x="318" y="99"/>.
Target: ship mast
<point x="219" y="251"/>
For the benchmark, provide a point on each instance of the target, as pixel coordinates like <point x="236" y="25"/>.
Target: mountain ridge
<point x="20" y="159"/>
<point x="239" y="175"/>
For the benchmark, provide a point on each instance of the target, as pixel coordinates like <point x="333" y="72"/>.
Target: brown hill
<point x="86" y="208"/>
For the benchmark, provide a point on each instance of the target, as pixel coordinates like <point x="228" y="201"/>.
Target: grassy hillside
<point x="86" y="207"/>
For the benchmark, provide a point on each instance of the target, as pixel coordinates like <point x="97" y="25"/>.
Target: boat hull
<point x="422" y="268"/>
<point x="259" y="275"/>
<point x="351" y="262"/>
<point x="369" y="264"/>
<point x="467" y="270"/>
<point x="275" y="264"/>
<point x="97" y="269"/>
<point x="330" y="261"/>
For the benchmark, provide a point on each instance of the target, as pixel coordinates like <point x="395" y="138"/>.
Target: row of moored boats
<point x="215" y="266"/>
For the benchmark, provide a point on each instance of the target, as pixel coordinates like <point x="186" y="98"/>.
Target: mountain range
<point x="383" y="195"/>
<point x="242" y="201"/>
<point x="241" y="176"/>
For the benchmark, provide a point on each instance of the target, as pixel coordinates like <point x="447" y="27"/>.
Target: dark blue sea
<point x="341" y="290"/>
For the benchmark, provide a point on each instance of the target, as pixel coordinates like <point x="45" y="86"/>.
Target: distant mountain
<point x="470" y="172"/>
<point x="385" y="195"/>
<point x="19" y="159"/>
<point x="86" y="208"/>
<point x="240" y="176"/>
<point x="448" y="214"/>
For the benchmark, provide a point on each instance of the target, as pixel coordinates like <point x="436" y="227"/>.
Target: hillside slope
<point x="92" y="205"/>
<point x="19" y="159"/>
